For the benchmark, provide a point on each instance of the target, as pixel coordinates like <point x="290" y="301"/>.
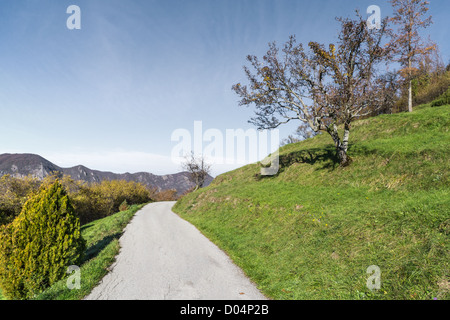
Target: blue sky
<point x="110" y="95"/>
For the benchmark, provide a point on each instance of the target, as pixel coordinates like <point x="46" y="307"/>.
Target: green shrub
<point x="124" y="206"/>
<point x="442" y="100"/>
<point x="39" y="245"/>
<point x="429" y="87"/>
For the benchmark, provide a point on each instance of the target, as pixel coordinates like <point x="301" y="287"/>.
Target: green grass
<point x="312" y="231"/>
<point x="102" y="237"/>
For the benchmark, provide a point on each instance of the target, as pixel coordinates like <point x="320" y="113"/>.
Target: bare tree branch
<point x="197" y="168"/>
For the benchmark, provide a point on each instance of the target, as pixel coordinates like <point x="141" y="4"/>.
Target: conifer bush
<point x="39" y="245"/>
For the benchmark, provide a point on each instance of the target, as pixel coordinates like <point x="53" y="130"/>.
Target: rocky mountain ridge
<point x="21" y="165"/>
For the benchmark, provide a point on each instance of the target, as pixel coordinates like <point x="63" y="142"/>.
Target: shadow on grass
<point x="86" y="226"/>
<point x="95" y="249"/>
<point x="325" y="158"/>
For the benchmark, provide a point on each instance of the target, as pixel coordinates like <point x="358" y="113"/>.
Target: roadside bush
<point x="91" y="204"/>
<point x="90" y="201"/>
<point x="124" y="206"/>
<point x="99" y="200"/>
<point x="14" y="192"/>
<point x="117" y="191"/>
<point x="166" y="195"/>
<point x="39" y="245"/>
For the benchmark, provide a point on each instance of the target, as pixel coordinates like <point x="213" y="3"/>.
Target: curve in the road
<point x="163" y="257"/>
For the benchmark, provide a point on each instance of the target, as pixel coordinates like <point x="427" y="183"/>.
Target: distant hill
<point x="20" y="165"/>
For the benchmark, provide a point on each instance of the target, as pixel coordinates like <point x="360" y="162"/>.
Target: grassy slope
<point x="312" y="231"/>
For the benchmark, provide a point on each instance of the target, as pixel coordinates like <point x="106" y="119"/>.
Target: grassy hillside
<point x="312" y="231"/>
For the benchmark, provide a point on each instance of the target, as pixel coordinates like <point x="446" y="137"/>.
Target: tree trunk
<point x="410" y="109"/>
<point x="344" y="159"/>
<point x="341" y="145"/>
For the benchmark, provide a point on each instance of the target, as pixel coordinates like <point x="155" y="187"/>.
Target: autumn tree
<point x="323" y="87"/>
<point x="410" y="16"/>
<point x="14" y="192"/>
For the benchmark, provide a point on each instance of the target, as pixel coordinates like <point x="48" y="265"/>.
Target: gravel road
<point x="163" y="257"/>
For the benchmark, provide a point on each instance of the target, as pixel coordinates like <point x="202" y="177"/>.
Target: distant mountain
<point x="21" y="165"/>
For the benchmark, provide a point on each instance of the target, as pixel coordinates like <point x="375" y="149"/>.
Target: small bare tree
<point x="321" y="87"/>
<point x="198" y="169"/>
